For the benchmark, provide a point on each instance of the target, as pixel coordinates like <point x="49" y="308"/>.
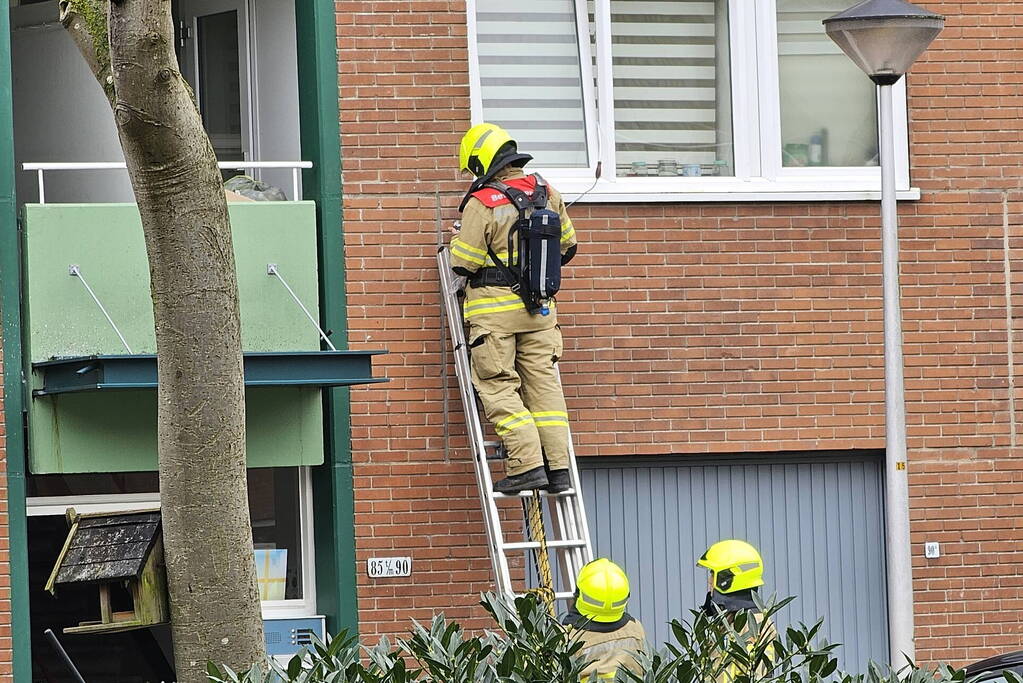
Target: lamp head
<point x="884" y="37"/>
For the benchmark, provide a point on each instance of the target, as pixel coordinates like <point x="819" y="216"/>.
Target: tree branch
<point x="86" y="21"/>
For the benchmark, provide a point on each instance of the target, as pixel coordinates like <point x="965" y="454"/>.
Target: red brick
<point x="757" y="328"/>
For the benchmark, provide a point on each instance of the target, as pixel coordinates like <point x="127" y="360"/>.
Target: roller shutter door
<point x="817" y="520"/>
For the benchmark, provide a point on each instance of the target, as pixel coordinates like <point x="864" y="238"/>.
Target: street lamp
<point x="884" y="38"/>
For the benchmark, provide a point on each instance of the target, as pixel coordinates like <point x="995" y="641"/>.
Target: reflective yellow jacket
<point x="608" y="652"/>
<point x="498" y="308"/>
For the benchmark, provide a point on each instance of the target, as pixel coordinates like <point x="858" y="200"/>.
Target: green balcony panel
<point x="78" y="423"/>
<point x="105" y="241"/>
<point x="115" y="431"/>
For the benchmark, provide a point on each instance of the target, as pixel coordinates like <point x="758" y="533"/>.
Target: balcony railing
<point x="41" y="167"/>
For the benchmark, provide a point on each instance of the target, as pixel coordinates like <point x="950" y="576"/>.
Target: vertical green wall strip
<point x="14" y="395"/>
<point x="334" y="504"/>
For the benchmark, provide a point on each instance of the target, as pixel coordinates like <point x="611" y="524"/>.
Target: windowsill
<point x="287" y="609"/>
<point x="708" y="189"/>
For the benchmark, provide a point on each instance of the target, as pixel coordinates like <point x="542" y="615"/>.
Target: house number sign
<point x="385" y="567"/>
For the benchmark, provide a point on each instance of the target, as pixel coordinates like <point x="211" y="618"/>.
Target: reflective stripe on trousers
<point x="515" y="378"/>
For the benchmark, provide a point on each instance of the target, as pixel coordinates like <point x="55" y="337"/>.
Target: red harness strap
<point x="491" y="197"/>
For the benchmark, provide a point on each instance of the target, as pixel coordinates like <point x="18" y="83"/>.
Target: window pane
<point x="92" y="484"/>
<point x="276" y="531"/>
<point x="673" y="110"/>
<point x="220" y="84"/>
<point x="828" y="110"/>
<point x="531" y="77"/>
<point x="274" y="507"/>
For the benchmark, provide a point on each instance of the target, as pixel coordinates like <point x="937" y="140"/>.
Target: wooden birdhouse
<point x="122" y="554"/>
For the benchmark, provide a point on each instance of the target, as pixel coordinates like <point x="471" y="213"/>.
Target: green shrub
<point x="530" y="646"/>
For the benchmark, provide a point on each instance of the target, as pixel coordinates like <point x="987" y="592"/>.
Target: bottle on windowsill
<point x="818" y="151"/>
<point x="816" y="154"/>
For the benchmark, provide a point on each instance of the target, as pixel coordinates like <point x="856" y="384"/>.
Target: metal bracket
<point x="272" y="271"/>
<point x="74" y="270"/>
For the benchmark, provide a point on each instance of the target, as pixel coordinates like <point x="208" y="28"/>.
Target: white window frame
<point x="582" y="20"/>
<point x="48" y="506"/>
<point x="759" y="175"/>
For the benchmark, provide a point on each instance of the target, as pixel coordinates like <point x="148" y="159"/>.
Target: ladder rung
<point x="529" y="494"/>
<point x="565" y="595"/>
<point x="493" y="450"/>
<point x="530" y="545"/>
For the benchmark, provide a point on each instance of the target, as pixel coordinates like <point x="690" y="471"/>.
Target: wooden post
<point x="105" y="611"/>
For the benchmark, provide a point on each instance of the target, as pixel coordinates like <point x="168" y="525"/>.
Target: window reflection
<point x="828" y="110"/>
<point x="274" y="507"/>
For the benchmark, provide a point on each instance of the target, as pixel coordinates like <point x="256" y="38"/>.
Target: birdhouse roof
<point x="105" y="547"/>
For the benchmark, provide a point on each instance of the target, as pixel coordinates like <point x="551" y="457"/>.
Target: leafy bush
<point x="530" y="646"/>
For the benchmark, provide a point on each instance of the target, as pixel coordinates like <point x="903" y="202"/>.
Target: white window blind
<point x="665" y="64"/>
<point x="679" y="100"/>
<point x="531" y="77"/>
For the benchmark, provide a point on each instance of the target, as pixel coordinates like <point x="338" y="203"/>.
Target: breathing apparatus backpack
<point x="534" y="247"/>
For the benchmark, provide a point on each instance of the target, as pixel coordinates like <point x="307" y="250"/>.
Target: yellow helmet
<point x="602" y="590"/>
<point x="483" y="144"/>
<point x="734" y="565"/>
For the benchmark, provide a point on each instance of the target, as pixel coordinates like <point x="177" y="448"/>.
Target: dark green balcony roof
<point x="272" y="369"/>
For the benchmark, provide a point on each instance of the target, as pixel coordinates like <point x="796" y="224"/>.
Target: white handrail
<point x="40" y="167"/>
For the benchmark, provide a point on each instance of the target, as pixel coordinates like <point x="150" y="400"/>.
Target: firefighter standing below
<point x="514" y="237"/>
<point x="736" y="572"/>
<point x="611" y="638"/>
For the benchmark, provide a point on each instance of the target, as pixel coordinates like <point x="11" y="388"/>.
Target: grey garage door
<point x="817" y="520"/>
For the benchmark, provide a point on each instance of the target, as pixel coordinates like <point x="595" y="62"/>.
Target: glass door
<point x="215" y="59"/>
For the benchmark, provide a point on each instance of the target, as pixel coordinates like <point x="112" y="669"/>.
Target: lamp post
<point x="884" y="38"/>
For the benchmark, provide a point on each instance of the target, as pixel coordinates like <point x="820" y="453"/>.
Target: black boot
<point x="535" y="478"/>
<point x="558" y="481"/>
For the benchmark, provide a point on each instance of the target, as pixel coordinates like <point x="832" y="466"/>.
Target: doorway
<point x="213" y="42"/>
<point x="231" y="51"/>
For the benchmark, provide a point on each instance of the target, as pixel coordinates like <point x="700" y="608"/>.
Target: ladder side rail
<point x="484" y="481"/>
<point x="575" y="511"/>
<point x="569" y="557"/>
<point x="491" y="514"/>
<point x="560" y="513"/>
<point x="495" y="536"/>
<point x="502" y="574"/>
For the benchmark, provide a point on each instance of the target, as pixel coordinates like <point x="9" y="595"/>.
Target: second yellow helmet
<point x="734" y="565"/>
<point x="603" y="591"/>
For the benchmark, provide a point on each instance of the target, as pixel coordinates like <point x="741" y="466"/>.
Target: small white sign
<point x="932" y="550"/>
<point x="384" y="567"/>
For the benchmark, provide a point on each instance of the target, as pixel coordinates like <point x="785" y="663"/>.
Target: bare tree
<point x="215" y="610"/>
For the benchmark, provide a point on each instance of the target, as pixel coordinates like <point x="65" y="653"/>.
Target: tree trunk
<point x="215" y="609"/>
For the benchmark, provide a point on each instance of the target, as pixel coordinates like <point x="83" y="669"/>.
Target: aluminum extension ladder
<point x="570" y="538"/>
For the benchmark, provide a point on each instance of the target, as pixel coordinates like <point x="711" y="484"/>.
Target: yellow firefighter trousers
<point x="516" y="381"/>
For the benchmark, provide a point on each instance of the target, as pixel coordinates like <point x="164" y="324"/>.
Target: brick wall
<point x="736" y="327"/>
<point x="5" y="571"/>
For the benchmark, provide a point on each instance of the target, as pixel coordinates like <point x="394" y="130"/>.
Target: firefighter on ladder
<point x="611" y="638"/>
<point x="515" y="234"/>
